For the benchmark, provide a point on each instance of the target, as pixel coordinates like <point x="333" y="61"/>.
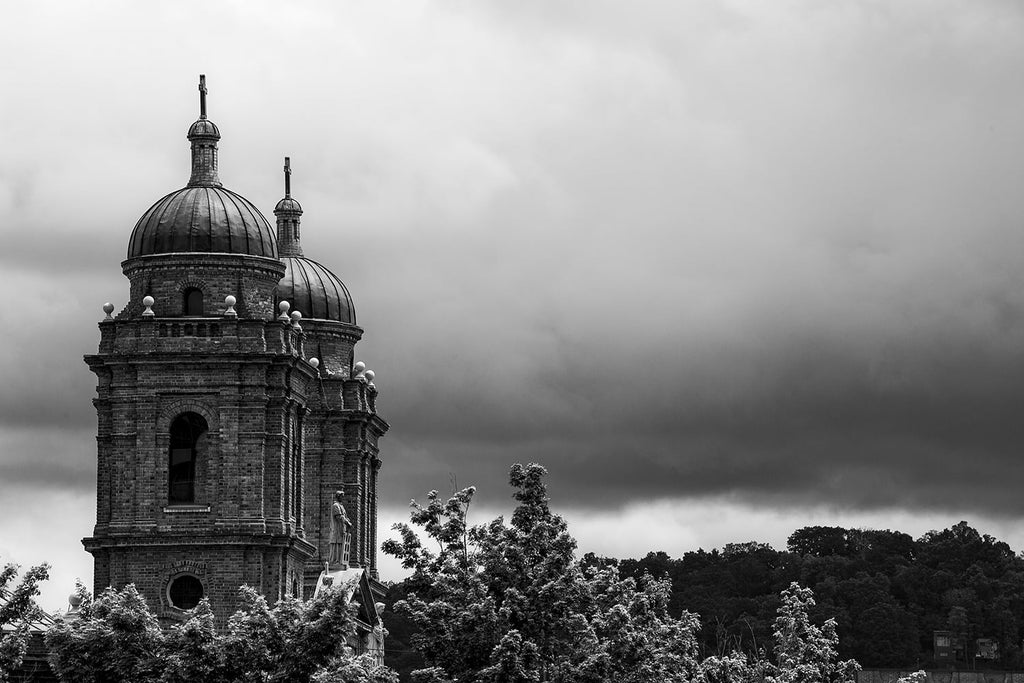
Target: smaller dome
<point x="203" y="128"/>
<point x="288" y="204"/>
<point x="315" y="291"/>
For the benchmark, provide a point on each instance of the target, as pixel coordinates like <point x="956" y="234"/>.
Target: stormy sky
<point x="725" y="268"/>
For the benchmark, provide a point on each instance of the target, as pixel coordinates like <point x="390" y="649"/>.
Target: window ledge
<point x="175" y="509"/>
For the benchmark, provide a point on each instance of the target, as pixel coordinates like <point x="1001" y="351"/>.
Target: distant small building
<point x="943" y="646"/>
<point x="986" y="648"/>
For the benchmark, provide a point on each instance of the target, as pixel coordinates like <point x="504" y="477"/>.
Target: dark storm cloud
<point x="816" y="431"/>
<point x="666" y="250"/>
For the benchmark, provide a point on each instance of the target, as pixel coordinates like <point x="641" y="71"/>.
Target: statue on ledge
<point x="339" y="539"/>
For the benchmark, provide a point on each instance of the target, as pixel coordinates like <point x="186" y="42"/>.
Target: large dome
<point x="315" y="291"/>
<point x="203" y="219"/>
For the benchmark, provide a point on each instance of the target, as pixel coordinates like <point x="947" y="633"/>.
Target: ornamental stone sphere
<point x="230" y="300"/>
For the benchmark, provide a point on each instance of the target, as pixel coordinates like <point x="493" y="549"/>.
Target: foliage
<point x="806" y="653"/>
<point x="361" y="669"/>
<point x="887" y="592"/>
<point x="511" y="603"/>
<point x="17" y="610"/>
<point x="115" y="638"/>
<point x="915" y="677"/>
<point x="401" y="656"/>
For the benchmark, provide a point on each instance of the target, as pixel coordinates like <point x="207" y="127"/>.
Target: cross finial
<point x="287" y="177"/>
<point x="202" y="96"/>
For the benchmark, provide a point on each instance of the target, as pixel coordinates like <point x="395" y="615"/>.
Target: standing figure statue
<point x="340" y="524"/>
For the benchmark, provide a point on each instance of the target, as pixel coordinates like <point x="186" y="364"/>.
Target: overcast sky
<point x="724" y="268"/>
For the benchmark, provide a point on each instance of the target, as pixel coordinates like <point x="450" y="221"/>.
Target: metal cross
<point x="202" y="96"/>
<point x="287" y="177"/>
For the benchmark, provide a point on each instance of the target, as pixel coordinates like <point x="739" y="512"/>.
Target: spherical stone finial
<point x="358" y="369"/>
<point x="230" y="301"/>
<point x="148" y="302"/>
<point x="108" y="308"/>
<point x="315" y="362"/>
<point x="296" y="319"/>
<point x="369" y="375"/>
<point x="283" y="307"/>
<point x="75" y="600"/>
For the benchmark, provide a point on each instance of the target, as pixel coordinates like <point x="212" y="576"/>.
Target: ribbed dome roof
<point x="204" y="128"/>
<point x="288" y="204"/>
<point x="315" y="291"/>
<point x="203" y="219"/>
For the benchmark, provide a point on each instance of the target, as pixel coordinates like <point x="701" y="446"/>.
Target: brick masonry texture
<point x="282" y="436"/>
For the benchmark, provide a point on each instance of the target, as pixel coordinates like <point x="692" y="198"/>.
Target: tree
<point x="17" y="610"/>
<point x="115" y="639"/>
<point x="511" y="603"/>
<point x="819" y="541"/>
<point x="192" y="651"/>
<point x="806" y="653"/>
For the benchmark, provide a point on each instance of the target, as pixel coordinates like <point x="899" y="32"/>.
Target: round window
<point x="185" y="592"/>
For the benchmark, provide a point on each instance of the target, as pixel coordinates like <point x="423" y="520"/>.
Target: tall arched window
<point x="193" y="301"/>
<point x="187" y="436"/>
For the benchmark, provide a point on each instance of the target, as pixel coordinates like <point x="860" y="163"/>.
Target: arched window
<point x="185" y="591"/>
<point x="187" y="437"/>
<point x="193" y="301"/>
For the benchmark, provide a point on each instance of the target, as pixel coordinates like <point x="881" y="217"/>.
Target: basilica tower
<point x="228" y="404"/>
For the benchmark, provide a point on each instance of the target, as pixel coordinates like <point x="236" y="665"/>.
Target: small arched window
<point x="188" y="432"/>
<point x="193" y="301"/>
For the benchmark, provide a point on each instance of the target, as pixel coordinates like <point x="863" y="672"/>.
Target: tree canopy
<point x="117" y="639"/>
<point x="509" y="602"/>
<point x="887" y="591"/>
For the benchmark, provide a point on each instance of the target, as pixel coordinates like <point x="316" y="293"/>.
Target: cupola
<point x="308" y="286"/>
<point x="203" y="216"/>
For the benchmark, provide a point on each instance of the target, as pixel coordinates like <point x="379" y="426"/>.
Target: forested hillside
<point x="887" y="591"/>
